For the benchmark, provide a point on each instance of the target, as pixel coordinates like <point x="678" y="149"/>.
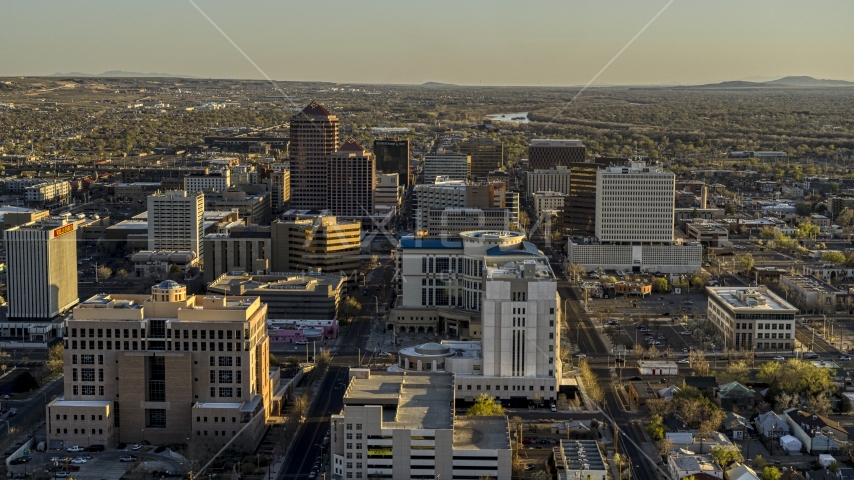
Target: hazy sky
<point x="489" y="42"/>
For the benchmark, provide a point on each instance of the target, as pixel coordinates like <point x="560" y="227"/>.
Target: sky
<point x="470" y="42"/>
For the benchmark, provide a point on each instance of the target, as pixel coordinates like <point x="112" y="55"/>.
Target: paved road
<point x="330" y="395"/>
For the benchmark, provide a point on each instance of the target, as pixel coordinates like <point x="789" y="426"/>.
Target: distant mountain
<point x="779" y="83"/>
<point x="809" y="82"/>
<point x="119" y="73"/>
<point x="437" y="84"/>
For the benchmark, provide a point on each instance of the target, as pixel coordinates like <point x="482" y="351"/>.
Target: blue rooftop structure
<point x="412" y="242"/>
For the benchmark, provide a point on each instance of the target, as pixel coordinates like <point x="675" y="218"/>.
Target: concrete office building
<point x="404" y="426"/>
<point x="310" y="296"/>
<point x="551" y="180"/>
<point x="751" y="318"/>
<point x="320" y="243"/>
<point x="548" y="202"/>
<point x="217" y="181"/>
<point x="388" y="192"/>
<point x="545" y="154"/>
<point x="634" y="204"/>
<point x="351" y="181"/>
<point x="486" y="154"/>
<point x="242" y="249"/>
<point x="158" y="264"/>
<point x="41" y="262"/>
<point x="393" y="157"/>
<point x="579" y="211"/>
<point x="176" y="221"/>
<point x="163" y="368"/>
<point x="253" y="209"/>
<point x="452" y="166"/>
<point x="454" y="220"/>
<point x="314" y="136"/>
<point x="447" y="193"/>
<point x="280" y="189"/>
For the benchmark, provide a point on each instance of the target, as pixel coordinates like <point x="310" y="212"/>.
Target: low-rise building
<point x="752" y="317"/>
<point x="548" y="202"/>
<point x="158" y="263"/>
<point x="635" y="258"/>
<point x="682" y="465"/>
<point x="302" y="331"/>
<point x="817" y="433"/>
<point x="812" y="293"/>
<point x="580" y="459"/>
<point x="641" y="392"/>
<point x="771" y="424"/>
<point x="741" y="472"/>
<point x="396" y="425"/>
<point x="309" y="296"/>
<point x="708" y="233"/>
<point x="736" y="395"/>
<point x="657" y="367"/>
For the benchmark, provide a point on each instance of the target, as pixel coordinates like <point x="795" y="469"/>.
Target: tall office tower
<point x="314" y="136"/>
<point x="172" y="366"/>
<point x="521" y="336"/>
<point x="545" y="154"/>
<point x="176" y="221"/>
<point x="320" y="243"/>
<point x="486" y="154"/>
<point x="393" y="157"/>
<point x="579" y="213"/>
<point x="42" y="268"/>
<point x="634" y="204"/>
<point x="451" y="166"/>
<point x="280" y="189"/>
<point x="351" y="178"/>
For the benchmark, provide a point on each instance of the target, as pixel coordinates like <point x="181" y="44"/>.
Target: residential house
<point x="789" y="474"/>
<point x="771" y="425"/>
<point x="734" y="394"/>
<point x="736" y="426"/>
<point x="706" y="385"/>
<point x="817" y="433"/>
<point x="668" y="392"/>
<point x="682" y="464"/>
<point x="741" y="472"/>
<point x="821" y="475"/>
<point x="640" y="392"/>
<point x="677" y="430"/>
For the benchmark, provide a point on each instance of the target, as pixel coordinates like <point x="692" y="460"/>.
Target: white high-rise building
<point x="176" y="221"/>
<point x="42" y="268"/>
<point x="634" y="204"/>
<point x="455" y="166"/>
<point x="555" y="179"/>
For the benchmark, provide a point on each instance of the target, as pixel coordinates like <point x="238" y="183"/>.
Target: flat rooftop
<point x="292" y="282"/>
<point x="422" y="401"/>
<point x="810" y="284"/>
<point x="229" y="405"/>
<point x="62" y="402"/>
<point x="750" y="299"/>
<point x="481" y="433"/>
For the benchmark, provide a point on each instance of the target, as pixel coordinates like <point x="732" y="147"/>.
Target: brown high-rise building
<point x="546" y="154"/>
<point x="351" y="181"/>
<point x="314" y="136"/>
<point x="579" y="209"/>
<point x="486" y="154"/>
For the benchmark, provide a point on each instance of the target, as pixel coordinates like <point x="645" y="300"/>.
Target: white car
<point x="686" y="332"/>
<point x="136" y="448"/>
<point x="79" y="460"/>
<point x="581" y="355"/>
<point x="684" y="360"/>
<point x="655" y="343"/>
<point x="844" y="357"/>
<point x="75" y="449"/>
<point x="779" y="358"/>
<point x="661" y="337"/>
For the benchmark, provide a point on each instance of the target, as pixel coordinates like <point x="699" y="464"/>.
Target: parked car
<point x="127" y="458"/>
<point x="844" y="357"/>
<point x="74" y="449"/>
<point x="78" y="460"/>
<point x="581" y="355"/>
<point x="527" y="441"/>
<point x="96" y="448"/>
<point x="686" y="332"/>
<point x="20" y="461"/>
<point x="61" y="473"/>
<point x="635" y="378"/>
<point x="553" y="407"/>
<point x="684" y="360"/>
<point x="779" y="358"/>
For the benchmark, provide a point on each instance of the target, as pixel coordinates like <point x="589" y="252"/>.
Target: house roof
<point x="315" y="109"/>
<point x="821" y="475"/>
<point x="770" y="420"/>
<point x="673" y="423"/>
<point x="741" y="472"/>
<point x="818" y="421"/>
<point x="790" y="475"/>
<point x="701" y="382"/>
<point x="735" y="390"/>
<point x="734" y="420"/>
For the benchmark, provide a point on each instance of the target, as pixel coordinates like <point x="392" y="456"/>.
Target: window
<point x="358" y="446"/>
<point x="349" y="446"/>
<point x="239" y="377"/>
<point x="157" y="379"/>
<point x="349" y="427"/>
<point x="213" y="391"/>
<point x="224" y="361"/>
<point x="87" y="359"/>
<point x="213" y="376"/>
<point x="225" y="376"/>
<point x="349" y="454"/>
<point x="74" y="359"/>
<point x="358" y="436"/>
<point x="212" y="360"/>
<point x="87" y="374"/>
<point x="100" y="359"/>
<point x="226" y="392"/>
<point x="349" y="436"/>
<point x="88" y="390"/>
<point x="156" y="418"/>
<point x="100" y="390"/>
<point x="73" y="374"/>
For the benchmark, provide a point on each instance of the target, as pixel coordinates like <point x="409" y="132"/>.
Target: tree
<point x="540" y="475"/>
<point x="785" y="401"/>
<point x="836" y="258"/>
<point x="349" y="308"/>
<point x="735" y="372"/>
<point x="652" y="351"/>
<point x="807" y="230"/>
<point x="661" y="285"/>
<point x="727" y="454"/>
<point x="818" y="404"/>
<point x="301" y="404"/>
<point x="745" y="262"/>
<point x="768" y="371"/>
<point x="122" y="273"/>
<point x="699" y="363"/>
<point x="759" y="462"/>
<point x="104" y="272"/>
<point x="767" y="232"/>
<point x="771" y="473"/>
<point x="574" y="271"/>
<point x="24" y="382"/>
<point x="590" y="382"/>
<point x="663" y="446"/>
<point x="485" y="406"/>
<point x="655" y="427"/>
<point x="55" y="358"/>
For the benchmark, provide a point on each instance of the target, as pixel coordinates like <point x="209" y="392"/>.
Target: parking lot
<point x="101" y="466"/>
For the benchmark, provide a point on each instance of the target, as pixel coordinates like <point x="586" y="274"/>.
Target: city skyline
<point x="468" y="44"/>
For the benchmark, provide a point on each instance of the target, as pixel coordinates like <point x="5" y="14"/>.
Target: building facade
<point x="304" y="296"/>
<point x="41" y="262"/>
<point x="314" y="136"/>
<point x="453" y="166"/>
<point x="634" y="204"/>
<point x="486" y="155"/>
<point x="176" y="221"/>
<point x="242" y="249"/>
<point x="751" y="318"/>
<point x="218" y="181"/>
<point x="163" y="368"/>
<point x="548" y="202"/>
<point x="389" y="192"/>
<point x="280" y="189"/>
<point x="453" y="221"/>
<point x="545" y="154"/>
<point x="551" y="180"/>
<point x="317" y="244"/>
<point x="351" y="181"/>
<point x="393" y="157"/>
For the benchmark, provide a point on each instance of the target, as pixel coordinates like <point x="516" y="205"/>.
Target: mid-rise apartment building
<point x="41" y="259"/>
<point x="42" y="194"/>
<point x="546" y="153"/>
<point x="551" y="180"/>
<point x="176" y="221"/>
<point x="216" y="181"/>
<point x="486" y="154"/>
<point x="351" y="181"/>
<point x="452" y="166"/>
<point x="395" y="425"/>
<point x="314" y="136"/>
<point x="751" y="318"/>
<point x="164" y="368"/>
<point x="447" y="193"/>
<point x="393" y="157"/>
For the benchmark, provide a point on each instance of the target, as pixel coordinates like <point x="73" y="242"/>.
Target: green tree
<point x="122" y="273"/>
<point x="807" y="230"/>
<point x="745" y="262"/>
<point x="485" y="406"/>
<point x="727" y="454"/>
<point x="661" y="285"/>
<point x="835" y="258"/>
<point x="24" y="382"/>
<point x="735" y="372"/>
<point x="542" y="475"/>
<point x="55" y="360"/>
<point x="771" y="473"/>
<point x="759" y="462"/>
<point x="655" y="427"/>
<point x="104" y="272"/>
<point x="349" y="309"/>
<point x="767" y="232"/>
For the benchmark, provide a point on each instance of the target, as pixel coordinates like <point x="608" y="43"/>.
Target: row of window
<point x="515" y="388"/>
<point x="226" y="376"/>
<point x="159" y="345"/>
<point x="82" y="417"/>
<point x="140" y="333"/>
<point x="82" y="431"/>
